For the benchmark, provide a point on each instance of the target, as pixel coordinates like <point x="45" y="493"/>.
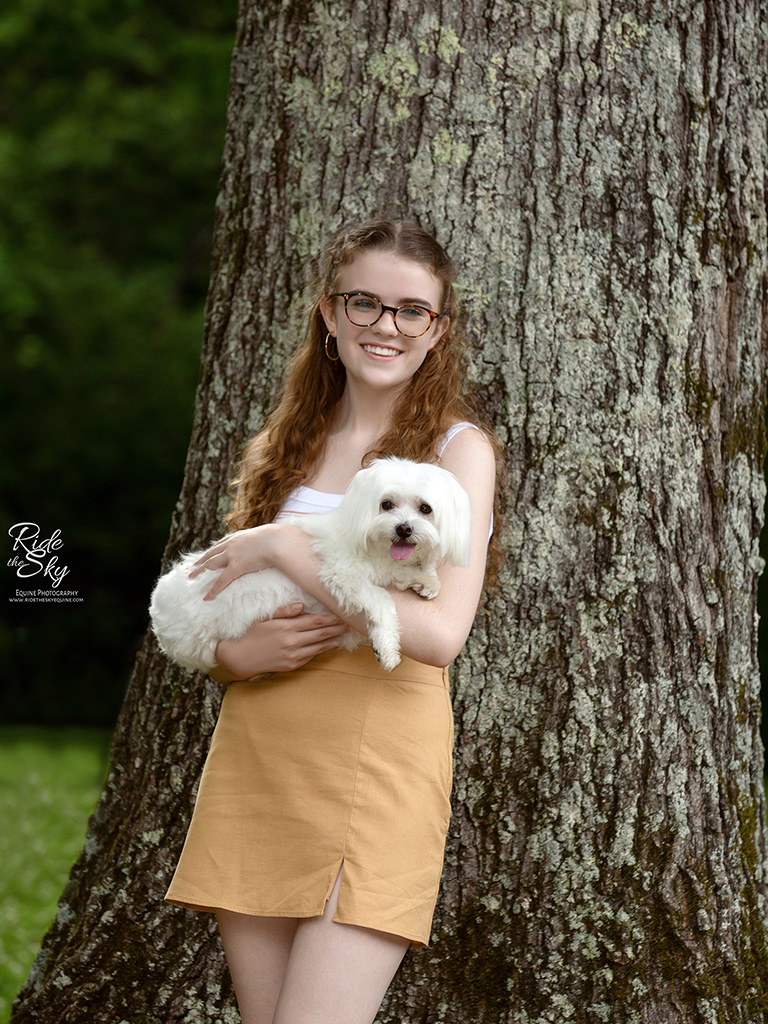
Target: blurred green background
<point x="112" y="116"/>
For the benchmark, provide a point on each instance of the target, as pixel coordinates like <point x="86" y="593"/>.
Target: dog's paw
<point x="388" y="659"/>
<point x="426" y="588"/>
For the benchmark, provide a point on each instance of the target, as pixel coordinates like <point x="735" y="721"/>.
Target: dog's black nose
<point x="403" y="531"/>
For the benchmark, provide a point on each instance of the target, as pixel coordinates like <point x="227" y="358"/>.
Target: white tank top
<point x="306" y="500"/>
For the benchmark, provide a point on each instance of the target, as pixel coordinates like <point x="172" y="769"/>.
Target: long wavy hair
<point x="281" y="456"/>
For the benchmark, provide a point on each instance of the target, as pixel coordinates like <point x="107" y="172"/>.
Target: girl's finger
<point x="211" y="552"/>
<point x="219" y="585"/>
<point x="336" y="630"/>
<point x="208" y="565"/>
<point x="322" y="620"/>
<point x="288" y="611"/>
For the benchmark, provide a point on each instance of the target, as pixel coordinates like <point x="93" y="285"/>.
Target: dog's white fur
<point x="354" y="542"/>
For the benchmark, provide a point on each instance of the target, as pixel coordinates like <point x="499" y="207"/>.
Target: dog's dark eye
<point x="425" y="509"/>
<point x="387" y="506"/>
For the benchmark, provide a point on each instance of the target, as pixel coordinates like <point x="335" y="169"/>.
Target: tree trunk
<point x="599" y="173"/>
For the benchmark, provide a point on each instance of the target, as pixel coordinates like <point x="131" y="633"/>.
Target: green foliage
<point x="49" y="783"/>
<point x="112" y="118"/>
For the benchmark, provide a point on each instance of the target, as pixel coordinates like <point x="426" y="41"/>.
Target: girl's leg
<point x="337" y="972"/>
<point x="257" y="951"/>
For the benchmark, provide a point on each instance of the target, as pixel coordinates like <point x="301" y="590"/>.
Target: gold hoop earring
<point x="435" y="368"/>
<point x="329" y="337"/>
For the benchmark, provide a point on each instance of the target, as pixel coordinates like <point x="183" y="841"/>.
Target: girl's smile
<point x="379" y="356"/>
<point x="379" y="374"/>
<point x="380" y="350"/>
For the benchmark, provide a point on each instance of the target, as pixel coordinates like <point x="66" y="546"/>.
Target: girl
<point x="320" y="824"/>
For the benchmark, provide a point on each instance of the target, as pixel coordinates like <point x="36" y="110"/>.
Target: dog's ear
<point x="361" y="506"/>
<point x="453" y="515"/>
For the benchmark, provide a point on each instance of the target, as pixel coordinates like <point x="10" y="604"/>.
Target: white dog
<point x="397" y="522"/>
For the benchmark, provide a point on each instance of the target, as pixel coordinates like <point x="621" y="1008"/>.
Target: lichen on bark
<point x="598" y="174"/>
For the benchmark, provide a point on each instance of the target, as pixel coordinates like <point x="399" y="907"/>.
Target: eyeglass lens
<point x="364" y="310"/>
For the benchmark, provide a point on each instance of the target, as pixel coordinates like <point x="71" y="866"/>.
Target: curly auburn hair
<point x="280" y="457"/>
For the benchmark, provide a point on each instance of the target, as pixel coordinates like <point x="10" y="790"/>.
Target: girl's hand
<point x="236" y="554"/>
<point x="280" y="644"/>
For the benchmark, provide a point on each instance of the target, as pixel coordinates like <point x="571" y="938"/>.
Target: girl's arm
<point x="432" y="632"/>
<point x="281" y="644"/>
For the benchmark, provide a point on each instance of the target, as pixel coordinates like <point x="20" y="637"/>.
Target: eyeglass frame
<point x="394" y="310"/>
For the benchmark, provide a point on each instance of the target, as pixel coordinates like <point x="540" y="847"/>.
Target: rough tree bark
<point x="598" y="169"/>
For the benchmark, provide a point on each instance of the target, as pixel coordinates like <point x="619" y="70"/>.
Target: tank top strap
<point x="450" y="433"/>
<point x="442" y="444"/>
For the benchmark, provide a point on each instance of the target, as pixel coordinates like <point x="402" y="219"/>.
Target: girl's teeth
<point x="381" y="351"/>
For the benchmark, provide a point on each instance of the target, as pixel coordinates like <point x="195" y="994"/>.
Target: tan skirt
<point x="337" y="763"/>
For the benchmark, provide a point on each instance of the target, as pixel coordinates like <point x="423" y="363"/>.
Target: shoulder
<point x="470" y="455"/>
<point x="461" y="426"/>
<point x="464" y="438"/>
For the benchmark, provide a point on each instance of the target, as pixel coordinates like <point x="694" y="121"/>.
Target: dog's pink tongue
<point x="401" y="550"/>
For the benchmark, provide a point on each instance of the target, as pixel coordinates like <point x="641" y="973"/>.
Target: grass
<point x="50" y="780"/>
